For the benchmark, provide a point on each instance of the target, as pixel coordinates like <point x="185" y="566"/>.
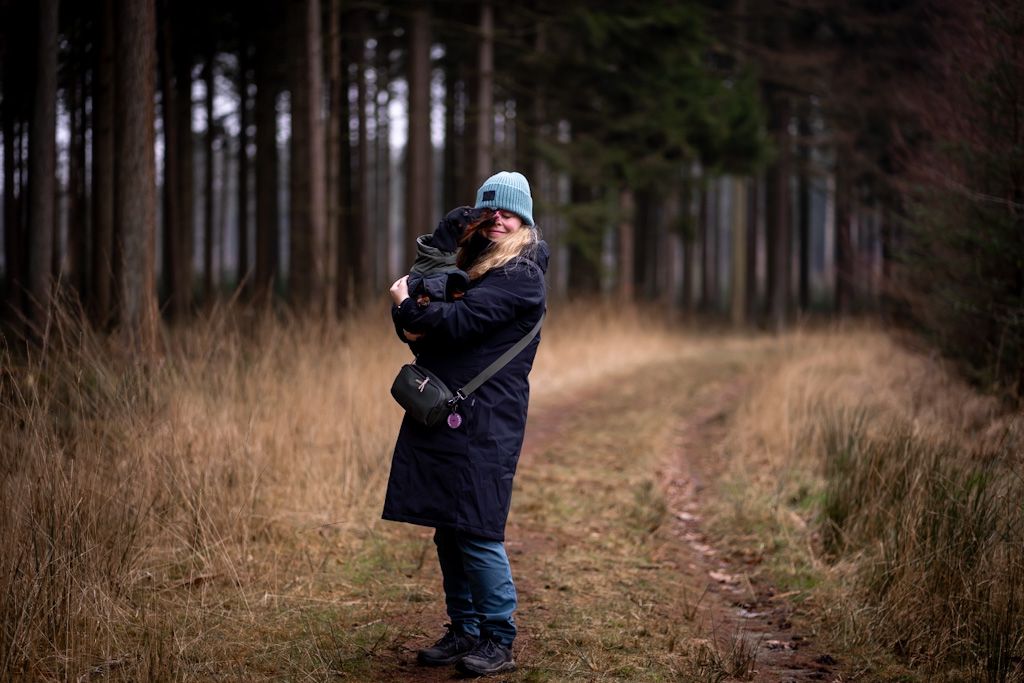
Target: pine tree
<point x="42" y="158"/>
<point x="135" y="180"/>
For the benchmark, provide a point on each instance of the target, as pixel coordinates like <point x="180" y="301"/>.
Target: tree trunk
<point x="266" y="170"/>
<point x="318" y="157"/>
<point x="485" y="94"/>
<point x="42" y="164"/>
<point x="686" y="226"/>
<point x="24" y="204"/>
<point x="363" y="249"/>
<point x="715" y="242"/>
<point x="689" y="265"/>
<point x="382" y="227"/>
<point x="76" y="197"/>
<point x="220" y="220"/>
<point x="419" y="212"/>
<point x="470" y="180"/>
<point x="208" y="276"/>
<point x="777" y="214"/>
<point x="307" y="204"/>
<point x="135" y="199"/>
<point x="844" y="242"/>
<point x="103" y="170"/>
<point x="653" y="212"/>
<point x="14" y="233"/>
<point x="56" y="257"/>
<point x="185" y="200"/>
<point x="452" y="184"/>
<point x="244" y="114"/>
<point x="645" y="222"/>
<point x="507" y="156"/>
<point x="299" y="243"/>
<point x="348" y="230"/>
<point x="82" y="276"/>
<point x="544" y="186"/>
<point x="804" y="215"/>
<point x="738" y="290"/>
<point x="707" y="254"/>
<point x="370" y="84"/>
<point x="332" y="271"/>
<point x="627" y="210"/>
<point x="886" y="301"/>
<point x="172" y="170"/>
<point x="673" y="249"/>
<point x="750" y="265"/>
<point x="689" y="247"/>
<point x="584" y="277"/>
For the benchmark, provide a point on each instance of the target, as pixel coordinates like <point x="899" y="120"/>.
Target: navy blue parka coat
<point x="461" y="478"/>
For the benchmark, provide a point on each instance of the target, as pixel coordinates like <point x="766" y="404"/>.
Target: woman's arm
<point x="494" y="302"/>
<point x="400" y="292"/>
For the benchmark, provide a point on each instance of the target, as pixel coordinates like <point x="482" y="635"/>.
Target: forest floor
<point x="617" y="577"/>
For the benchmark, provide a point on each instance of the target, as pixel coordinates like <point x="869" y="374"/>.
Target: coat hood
<point x="541" y="255"/>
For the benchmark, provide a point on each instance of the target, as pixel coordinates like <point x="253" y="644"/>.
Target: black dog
<point x="434" y="275"/>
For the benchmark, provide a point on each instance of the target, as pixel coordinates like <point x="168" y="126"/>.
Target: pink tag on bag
<point x="454" y="420"/>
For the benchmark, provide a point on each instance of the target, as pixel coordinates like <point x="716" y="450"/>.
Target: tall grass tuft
<point x="889" y="494"/>
<point x="76" y="496"/>
<point x="938" y="534"/>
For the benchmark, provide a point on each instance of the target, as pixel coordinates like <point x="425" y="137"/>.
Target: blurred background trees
<point x="754" y="162"/>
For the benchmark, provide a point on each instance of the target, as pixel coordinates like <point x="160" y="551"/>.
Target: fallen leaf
<point x="722" y="577"/>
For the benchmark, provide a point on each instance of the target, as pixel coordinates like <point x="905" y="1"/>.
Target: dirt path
<point x="744" y="610"/>
<point x="617" y="577"/>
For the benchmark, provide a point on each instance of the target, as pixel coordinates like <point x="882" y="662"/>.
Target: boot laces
<point x="485" y="647"/>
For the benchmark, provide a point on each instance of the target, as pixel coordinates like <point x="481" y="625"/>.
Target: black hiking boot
<point x="452" y="645"/>
<point x="486" y="657"/>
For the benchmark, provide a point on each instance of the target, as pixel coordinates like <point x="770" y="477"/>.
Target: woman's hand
<point x="399" y="293"/>
<point x="400" y="290"/>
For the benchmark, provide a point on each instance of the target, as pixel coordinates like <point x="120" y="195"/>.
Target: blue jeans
<point x="478" y="588"/>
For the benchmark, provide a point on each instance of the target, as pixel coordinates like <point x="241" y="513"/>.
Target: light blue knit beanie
<point x="508" y="191"/>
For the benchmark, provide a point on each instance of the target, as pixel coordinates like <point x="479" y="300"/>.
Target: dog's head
<point x="465" y="216"/>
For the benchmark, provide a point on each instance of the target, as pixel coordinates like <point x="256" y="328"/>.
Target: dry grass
<point x="217" y="513"/>
<point x="595" y="338"/>
<point x="891" y="493"/>
<point x="720" y="658"/>
<point x="151" y="512"/>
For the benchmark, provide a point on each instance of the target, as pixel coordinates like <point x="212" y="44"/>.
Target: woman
<point x="459" y="480"/>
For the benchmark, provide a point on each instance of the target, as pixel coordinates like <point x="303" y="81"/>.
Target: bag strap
<point x="501" y="362"/>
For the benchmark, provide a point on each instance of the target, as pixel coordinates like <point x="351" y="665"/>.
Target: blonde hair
<point x="511" y="248"/>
